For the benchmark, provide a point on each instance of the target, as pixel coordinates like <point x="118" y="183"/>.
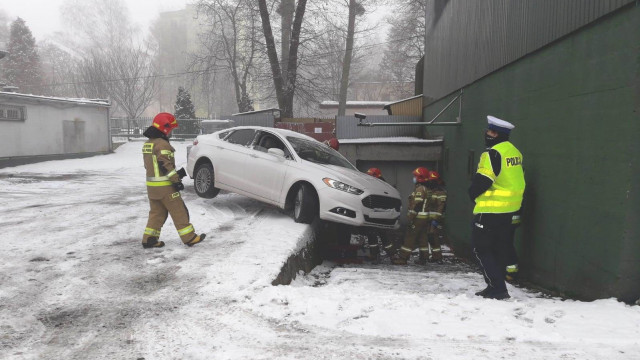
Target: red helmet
<point x="375" y="172"/>
<point x="333" y="143"/>
<point x="421" y="174"/>
<point x="165" y="122"/>
<point x="433" y="175"/>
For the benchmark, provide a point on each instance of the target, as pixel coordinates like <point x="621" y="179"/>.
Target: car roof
<point x="281" y="132"/>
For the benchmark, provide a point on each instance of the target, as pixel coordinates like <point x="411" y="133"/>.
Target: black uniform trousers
<point x="492" y="240"/>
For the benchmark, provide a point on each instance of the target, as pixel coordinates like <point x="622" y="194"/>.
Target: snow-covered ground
<point x="76" y="284"/>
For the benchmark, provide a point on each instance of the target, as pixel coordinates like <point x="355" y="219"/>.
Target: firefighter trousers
<point x="168" y="203"/>
<point x="424" y="234"/>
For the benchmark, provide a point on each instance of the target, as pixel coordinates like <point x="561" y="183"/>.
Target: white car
<point x="292" y="171"/>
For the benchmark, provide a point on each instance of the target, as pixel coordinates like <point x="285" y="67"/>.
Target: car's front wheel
<point x="203" y="180"/>
<point x="305" y="204"/>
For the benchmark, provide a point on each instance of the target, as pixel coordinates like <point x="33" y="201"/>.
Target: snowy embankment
<point x="76" y="284"/>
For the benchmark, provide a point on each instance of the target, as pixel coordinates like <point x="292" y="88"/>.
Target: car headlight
<point x="342" y="186"/>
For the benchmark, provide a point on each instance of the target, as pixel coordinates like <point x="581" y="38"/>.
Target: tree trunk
<point x="285" y="87"/>
<point x="346" y="64"/>
<point x="286" y="11"/>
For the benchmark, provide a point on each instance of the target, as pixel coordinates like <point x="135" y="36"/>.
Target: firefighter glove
<point x="178" y="186"/>
<point x="182" y="173"/>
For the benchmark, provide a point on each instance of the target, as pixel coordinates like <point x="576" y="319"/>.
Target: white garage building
<point x="37" y="128"/>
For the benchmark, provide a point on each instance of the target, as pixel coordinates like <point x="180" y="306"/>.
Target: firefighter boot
<point x="152" y="242"/>
<point x="398" y="259"/>
<point x="512" y="274"/>
<point x="436" y="256"/>
<point x="374" y="255"/>
<point x="196" y="239"/>
<point x="422" y="258"/>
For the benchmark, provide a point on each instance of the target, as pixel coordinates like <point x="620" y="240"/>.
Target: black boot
<point x="152" y="242"/>
<point x="422" y="258"/>
<point x="483" y="292"/>
<point x="374" y="255"/>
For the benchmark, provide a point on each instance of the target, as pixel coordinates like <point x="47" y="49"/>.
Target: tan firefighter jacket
<point x="160" y="165"/>
<point x="425" y="203"/>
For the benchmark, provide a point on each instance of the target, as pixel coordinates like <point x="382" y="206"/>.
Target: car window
<point x="242" y="137"/>
<point x="223" y="135"/>
<point x="266" y="141"/>
<point x="317" y="152"/>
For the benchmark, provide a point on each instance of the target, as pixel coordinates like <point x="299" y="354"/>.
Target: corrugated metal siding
<point x="466" y="40"/>
<point x="259" y="119"/>
<point x="347" y="127"/>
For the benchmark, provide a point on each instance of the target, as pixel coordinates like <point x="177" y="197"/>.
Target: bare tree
<point x="231" y="42"/>
<point x="405" y="45"/>
<point x="285" y="87"/>
<point x="96" y="24"/>
<point x="112" y="62"/>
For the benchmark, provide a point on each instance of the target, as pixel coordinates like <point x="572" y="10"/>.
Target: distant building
<point x="37" y="128"/>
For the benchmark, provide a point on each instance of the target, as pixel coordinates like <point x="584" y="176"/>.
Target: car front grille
<point x="381" y="202"/>
<point x="388" y="222"/>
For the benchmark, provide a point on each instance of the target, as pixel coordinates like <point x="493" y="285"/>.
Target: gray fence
<point x="347" y="127"/>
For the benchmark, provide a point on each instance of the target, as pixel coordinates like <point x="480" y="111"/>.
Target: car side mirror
<point x="276" y="151"/>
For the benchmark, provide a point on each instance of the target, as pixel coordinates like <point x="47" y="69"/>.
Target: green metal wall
<point x="576" y="107"/>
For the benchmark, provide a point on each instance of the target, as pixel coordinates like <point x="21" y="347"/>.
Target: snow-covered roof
<point x="391" y="140"/>
<point x="354" y="103"/>
<point x="257" y="111"/>
<point x="79" y="101"/>
<point x="217" y="121"/>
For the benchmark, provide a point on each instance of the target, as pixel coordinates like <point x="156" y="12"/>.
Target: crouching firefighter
<point x="164" y="185"/>
<point x="419" y="221"/>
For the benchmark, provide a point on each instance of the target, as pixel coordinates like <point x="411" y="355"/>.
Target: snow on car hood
<point x="361" y="180"/>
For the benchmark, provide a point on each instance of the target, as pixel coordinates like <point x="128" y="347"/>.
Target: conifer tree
<point x="184" y="109"/>
<point x="22" y="66"/>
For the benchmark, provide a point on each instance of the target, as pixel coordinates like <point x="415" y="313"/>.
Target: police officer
<point x="164" y="185"/>
<point x="497" y="189"/>
<point x="419" y="222"/>
<point x="373" y="234"/>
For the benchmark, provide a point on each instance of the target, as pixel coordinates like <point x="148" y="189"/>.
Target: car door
<point x="269" y="169"/>
<point x="230" y="159"/>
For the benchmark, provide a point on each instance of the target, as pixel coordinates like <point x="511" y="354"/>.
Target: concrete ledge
<point x="305" y="259"/>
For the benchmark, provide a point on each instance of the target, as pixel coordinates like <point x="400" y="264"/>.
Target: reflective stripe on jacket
<point x="505" y="194"/>
<point x="159" y="163"/>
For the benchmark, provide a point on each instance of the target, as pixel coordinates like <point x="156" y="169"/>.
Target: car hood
<point x="361" y="180"/>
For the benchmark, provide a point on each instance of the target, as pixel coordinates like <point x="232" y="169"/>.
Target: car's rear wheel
<point x="203" y="180"/>
<point x="305" y="204"/>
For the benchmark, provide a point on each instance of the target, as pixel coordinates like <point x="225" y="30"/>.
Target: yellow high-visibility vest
<point x="505" y="194"/>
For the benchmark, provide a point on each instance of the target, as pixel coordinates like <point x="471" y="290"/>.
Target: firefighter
<point x="418" y="220"/>
<point x="436" y="203"/>
<point x="164" y="185"/>
<point x="497" y="189"/>
<point x="373" y="234"/>
<point x="332" y="143"/>
<point x="375" y="172"/>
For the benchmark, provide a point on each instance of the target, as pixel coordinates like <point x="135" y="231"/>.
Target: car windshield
<point x="318" y="153"/>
